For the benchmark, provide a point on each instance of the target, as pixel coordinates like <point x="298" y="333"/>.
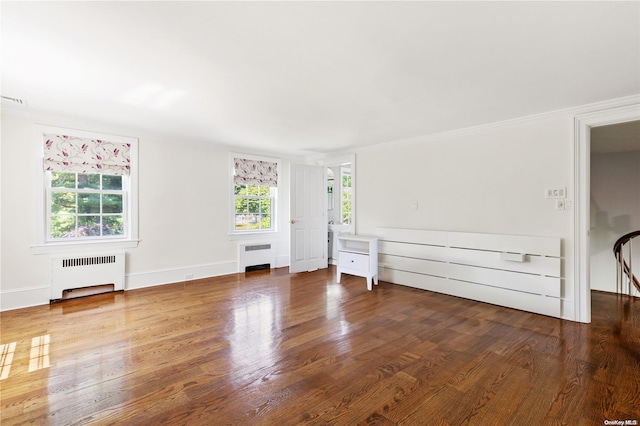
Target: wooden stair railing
<point x="624" y="268"/>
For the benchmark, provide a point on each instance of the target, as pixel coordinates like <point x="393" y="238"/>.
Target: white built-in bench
<point x="519" y="272"/>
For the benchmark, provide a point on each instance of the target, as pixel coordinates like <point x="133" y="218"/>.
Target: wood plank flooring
<point x="269" y="348"/>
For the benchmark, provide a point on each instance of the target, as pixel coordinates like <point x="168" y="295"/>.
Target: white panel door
<point x="308" y="248"/>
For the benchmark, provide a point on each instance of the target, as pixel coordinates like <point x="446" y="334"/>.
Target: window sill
<point x="83" y="246"/>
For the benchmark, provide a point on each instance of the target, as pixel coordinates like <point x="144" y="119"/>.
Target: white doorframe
<point x="582" y="219"/>
<point x="343" y="159"/>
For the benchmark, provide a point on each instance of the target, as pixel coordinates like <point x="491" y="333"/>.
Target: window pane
<point x="241" y="222"/>
<point x="241" y="205"/>
<point x="88" y="181"/>
<point x="265" y="222"/>
<point x="63" y="180"/>
<point x="63" y="226"/>
<point x="112" y="203"/>
<point x="88" y="203"/>
<point x="264" y="191"/>
<point x="111" y="182"/>
<point x="112" y="225"/>
<point x="346" y="210"/>
<point x="346" y="204"/>
<point x="240" y="189"/>
<point x="265" y="206"/>
<point x="88" y="226"/>
<point x="63" y="202"/>
<point x="254" y="205"/>
<point x="252" y="221"/>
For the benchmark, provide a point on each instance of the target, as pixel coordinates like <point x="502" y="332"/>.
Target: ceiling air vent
<point x="14" y="100"/>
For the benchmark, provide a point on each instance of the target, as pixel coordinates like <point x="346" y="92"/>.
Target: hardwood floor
<point x="271" y="348"/>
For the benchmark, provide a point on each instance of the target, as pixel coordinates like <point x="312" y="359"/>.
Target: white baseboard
<point x="34" y="296"/>
<point x="24" y="298"/>
<point x="169" y="276"/>
<point x="282" y="261"/>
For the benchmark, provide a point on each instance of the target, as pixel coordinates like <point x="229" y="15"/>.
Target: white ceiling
<point x="300" y="78"/>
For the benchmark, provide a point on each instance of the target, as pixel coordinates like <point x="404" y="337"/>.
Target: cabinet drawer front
<point x="353" y="261"/>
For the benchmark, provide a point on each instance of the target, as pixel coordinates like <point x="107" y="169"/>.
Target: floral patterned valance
<point x="255" y="172"/>
<point x="74" y="154"/>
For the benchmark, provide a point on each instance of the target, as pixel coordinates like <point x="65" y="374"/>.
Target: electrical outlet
<point x="188" y="277"/>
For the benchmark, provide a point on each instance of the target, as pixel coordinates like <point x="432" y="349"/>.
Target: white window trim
<point x="235" y="234"/>
<point x="41" y="245"/>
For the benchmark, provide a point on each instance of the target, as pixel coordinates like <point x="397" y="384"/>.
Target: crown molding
<point x="51" y="119"/>
<point x="565" y="112"/>
<point x="314" y="158"/>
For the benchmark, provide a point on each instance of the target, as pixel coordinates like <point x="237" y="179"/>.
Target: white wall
<point x="183" y="215"/>
<point x="615" y="211"/>
<point x="491" y="180"/>
<point x="488" y="179"/>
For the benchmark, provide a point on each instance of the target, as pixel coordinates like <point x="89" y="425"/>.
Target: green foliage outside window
<point x="346" y="199"/>
<point x="86" y="205"/>
<point x="253" y="207"/>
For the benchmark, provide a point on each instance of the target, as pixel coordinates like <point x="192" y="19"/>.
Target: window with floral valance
<point x="64" y="153"/>
<point x="255" y="182"/>
<point x="255" y="172"/>
<point x="89" y="186"/>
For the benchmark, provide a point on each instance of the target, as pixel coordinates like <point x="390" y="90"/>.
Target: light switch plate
<point x="558" y="192"/>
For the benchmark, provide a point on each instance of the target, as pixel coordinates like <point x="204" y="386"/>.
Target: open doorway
<point x="340" y="183"/>
<point x="615" y="200"/>
<point x="582" y="219"/>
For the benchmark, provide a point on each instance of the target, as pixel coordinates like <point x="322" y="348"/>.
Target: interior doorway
<point x="615" y="199"/>
<point x="340" y="178"/>
<point x="582" y="214"/>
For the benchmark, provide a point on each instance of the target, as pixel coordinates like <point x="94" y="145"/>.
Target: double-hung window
<point x="255" y="183"/>
<point x="86" y="205"/>
<point x="88" y="186"/>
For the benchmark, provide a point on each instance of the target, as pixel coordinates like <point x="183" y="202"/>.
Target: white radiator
<point x="81" y="271"/>
<point x="256" y="255"/>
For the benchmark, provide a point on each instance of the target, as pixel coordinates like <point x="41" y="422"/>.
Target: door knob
<point x="292" y="221"/>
